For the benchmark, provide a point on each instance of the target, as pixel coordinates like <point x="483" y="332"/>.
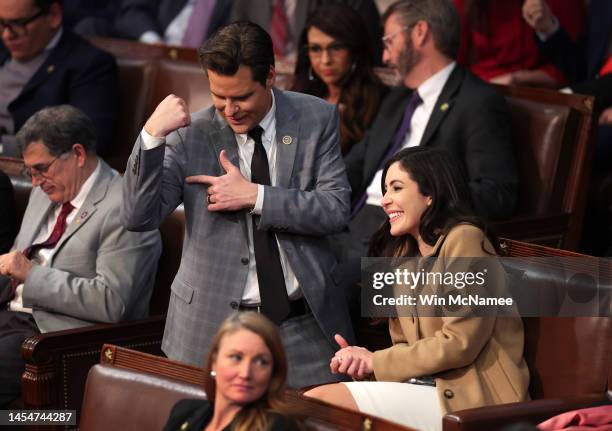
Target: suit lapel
<point x="444" y="103"/>
<point x="49" y="66"/>
<point x="96" y="194"/>
<point x="40" y="212"/>
<point x="223" y="138"/>
<point x="287" y="140"/>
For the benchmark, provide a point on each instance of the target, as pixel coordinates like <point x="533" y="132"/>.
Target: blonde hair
<point x="254" y="415"/>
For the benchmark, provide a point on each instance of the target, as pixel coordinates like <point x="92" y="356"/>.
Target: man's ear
<point x="270" y="79"/>
<point x="420" y="33"/>
<point x="56" y="15"/>
<point x="81" y="153"/>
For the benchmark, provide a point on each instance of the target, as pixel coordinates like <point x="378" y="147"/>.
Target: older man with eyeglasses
<point x="72" y="264"/>
<point x="44" y="64"/>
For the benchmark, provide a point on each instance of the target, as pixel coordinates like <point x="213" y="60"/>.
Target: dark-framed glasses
<point x="17" y="27"/>
<point x="332" y="49"/>
<point x="39" y="170"/>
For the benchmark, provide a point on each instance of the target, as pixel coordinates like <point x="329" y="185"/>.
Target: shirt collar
<point x="432" y="87"/>
<point x="86" y="187"/>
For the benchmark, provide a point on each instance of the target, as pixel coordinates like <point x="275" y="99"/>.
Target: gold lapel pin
<point x="444" y="107"/>
<point x="287" y="140"/>
<point x="50" y="68"/>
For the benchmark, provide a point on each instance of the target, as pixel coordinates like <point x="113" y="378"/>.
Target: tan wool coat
<point x="476" y="361"/>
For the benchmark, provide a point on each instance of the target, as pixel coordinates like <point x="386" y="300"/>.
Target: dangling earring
<point x="213" y="373"/>
<point x="353" y="67"/>
<point x="310" y="75"/>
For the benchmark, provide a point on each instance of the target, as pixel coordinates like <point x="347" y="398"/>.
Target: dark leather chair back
<point x="543" y="154"/>
<point x="553" y="146"/>
<point x="120" y="399"/>
<point x="567" y="356"/>
<point x="136" y="78"/>
<point x="185" y="79"/>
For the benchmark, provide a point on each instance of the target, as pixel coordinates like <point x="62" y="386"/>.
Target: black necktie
<point x="274" y="300"/>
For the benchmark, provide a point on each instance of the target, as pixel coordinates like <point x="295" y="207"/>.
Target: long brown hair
<point x="254" y="415"/>
<point x="362" y="91"/>
<point x="438" y="174"/>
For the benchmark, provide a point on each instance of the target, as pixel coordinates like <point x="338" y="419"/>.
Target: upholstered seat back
<point x="119" y="399"/>
<point x="135" y="85"/>
<point x="567" y="356"/>
<point x="539" y="130"/>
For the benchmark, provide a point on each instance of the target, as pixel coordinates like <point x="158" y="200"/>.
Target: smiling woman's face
<point x="243" y="366"/>
<point x="403" y="202"/>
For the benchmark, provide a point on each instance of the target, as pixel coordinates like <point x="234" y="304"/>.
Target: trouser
<point x="15" y="327"/>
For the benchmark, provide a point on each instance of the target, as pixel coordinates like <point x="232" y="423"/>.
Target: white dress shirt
<point x="429" y="91"/>
<point x="246" y="147"/>
<point x="43" y="256"/>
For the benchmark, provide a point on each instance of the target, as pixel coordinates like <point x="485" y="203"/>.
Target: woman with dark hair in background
<point x="436" y="364"/>
<point x="336" y="63"/>
<point x="246" y="371"/>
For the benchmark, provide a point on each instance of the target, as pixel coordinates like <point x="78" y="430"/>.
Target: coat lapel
<point x="444" y="103"/>
<point x="49" y="66"/>
<point x="96" y="194"/>
<point x="287" y="131"/>
<point x="35" y="221"/>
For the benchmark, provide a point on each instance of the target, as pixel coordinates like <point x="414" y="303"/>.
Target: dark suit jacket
<point x="139" y="16"/>
<point x="198" y="413"/>
<point x="582" y="59"/>
<point x="470" y="120"/>
<point x="8" y="214"/>
<point x="75" y="73"/>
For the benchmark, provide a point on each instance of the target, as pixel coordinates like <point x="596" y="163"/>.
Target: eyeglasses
<point x="17" y="27"/>
<point x="37" y="171"/>
<point x="388" y="38"/>
<point x="332" y="49"/>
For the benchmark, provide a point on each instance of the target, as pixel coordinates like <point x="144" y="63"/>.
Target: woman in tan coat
<point x="436" y="364"/>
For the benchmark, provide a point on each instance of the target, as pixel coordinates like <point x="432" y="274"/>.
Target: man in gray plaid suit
<point x="263" y="183"/>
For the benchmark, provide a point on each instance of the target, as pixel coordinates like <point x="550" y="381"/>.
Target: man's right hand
<point x="171" y="114"/>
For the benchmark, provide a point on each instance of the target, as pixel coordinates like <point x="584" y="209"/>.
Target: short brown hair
<point x="441" y="16"/>
<point x="239" y="44"/>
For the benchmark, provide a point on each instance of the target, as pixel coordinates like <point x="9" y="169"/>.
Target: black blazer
<point x="470" y="120"/>
<point x="76" y="73"/>
<point x="8" y="214"/>
<point x="139" y="16"/>
<point x="198" y="413"/>
<point x="582" y="59"/>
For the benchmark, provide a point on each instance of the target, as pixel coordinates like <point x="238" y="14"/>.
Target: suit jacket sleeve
<point x="489" y="157"/>
<point x="124" y="261"/>
<point x="323" y="208"/>
<point x="153" y="183"/>
<point x="456" y="345"/>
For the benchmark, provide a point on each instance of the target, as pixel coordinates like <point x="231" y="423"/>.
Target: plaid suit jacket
<point x="309" y="202"/>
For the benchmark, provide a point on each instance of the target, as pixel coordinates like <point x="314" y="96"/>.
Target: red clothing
<point x="505" y="42"/>
<point x="591" y="419"/>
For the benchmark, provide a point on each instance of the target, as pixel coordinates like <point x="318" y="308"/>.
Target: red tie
<point x="279" y="27"/>
<point x="56" y="234"/>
